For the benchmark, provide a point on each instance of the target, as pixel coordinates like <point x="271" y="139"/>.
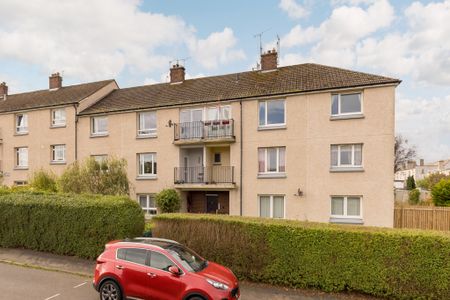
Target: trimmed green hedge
<point x="382" y="262"/>
<point x="66" y="224"/>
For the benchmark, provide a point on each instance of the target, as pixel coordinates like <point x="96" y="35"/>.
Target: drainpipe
<point x="75" y="106"/>
<point x="241" y="158"/>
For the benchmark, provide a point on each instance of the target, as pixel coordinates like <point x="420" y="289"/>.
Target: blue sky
<point x="133" y="42"/>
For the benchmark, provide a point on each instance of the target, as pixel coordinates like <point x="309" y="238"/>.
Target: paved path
<point x="21" y="282"/>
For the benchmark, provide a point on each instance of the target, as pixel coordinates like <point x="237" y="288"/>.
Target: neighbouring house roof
<point x="46" y="98"/>
<point x="284" y="80"/>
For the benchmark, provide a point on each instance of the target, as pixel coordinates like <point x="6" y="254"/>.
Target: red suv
<point x="151" y="268"/>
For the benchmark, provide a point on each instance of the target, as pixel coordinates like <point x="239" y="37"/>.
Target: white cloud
<point x="97" y="39"/>
<point x="334" y="40"/>
<point x="426" y="124"/>
<point x="217" y="48"/>
<point x="422" y="50"/>
<point x="293" y="9"/>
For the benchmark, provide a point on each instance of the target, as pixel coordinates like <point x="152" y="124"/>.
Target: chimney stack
<point x="3" y="90"/>
<point x="177" y="74"/>
<point x="421" y="162"/>
<point x="55" y="81"/>
<point x="269" y="60"/>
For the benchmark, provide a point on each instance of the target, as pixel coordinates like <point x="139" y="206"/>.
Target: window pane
<point x="151" y="201"/>
<point x="264" y="206"/>
<point x="261" y="160"/>
<point x="353" y="206"/>
<point x="351" y="103"/>
<point x="271" y="159"/>
<point x="160" y="261"/>
<point x="143" y="201"/>
<point x="346" y="154"/>
<point x="335" y="104"/>
<point x="278" y="206"/>
<point x="137" y="256"/>
<point x="337" y="206"/>
<point x="275" y="112"/>
<point x="358" y="155"/>
<point x="225" y="112"/>
<point x="334" y="156"/>
<point x="121" y="253"/>
<point x="262" y="113"/>
<point x="213" y="113"/>
<point x="147" y="122"/>
<point x="282" y="159"/>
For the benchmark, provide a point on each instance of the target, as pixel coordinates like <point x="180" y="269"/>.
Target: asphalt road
<point x="18" y="283"/>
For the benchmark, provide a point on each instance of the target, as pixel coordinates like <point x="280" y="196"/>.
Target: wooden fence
<point x="422" y="217"/>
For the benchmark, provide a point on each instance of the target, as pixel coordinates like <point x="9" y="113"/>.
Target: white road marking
<point x="54" y="296"/>
<point x="81" y="284"/>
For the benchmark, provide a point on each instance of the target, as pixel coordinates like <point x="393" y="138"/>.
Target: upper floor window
<point x="271" y="206"/>
<point x="147" y="164"/>
<point x="272" y="160"/>
<point x="58" y="153"/>
<point x="100" y="158"/>
<point x="346" y="207"/>
<point x="346" y="104"/>
<point x="218" y="113"/>
<point x="148" y="203"/>
<point x="99" y="125"/>
<point x="59" y="117"/>
<point x="345" y="156"/>
<point x="272" y="113"/>
<point x="22" y="157"/>
<point x="21" y="123"/>
<point x="147" y="123"/>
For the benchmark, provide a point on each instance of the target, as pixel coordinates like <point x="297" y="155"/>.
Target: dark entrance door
<point x="212" y="203"/>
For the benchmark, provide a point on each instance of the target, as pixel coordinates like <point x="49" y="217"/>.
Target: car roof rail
<point x="151" y="239"/>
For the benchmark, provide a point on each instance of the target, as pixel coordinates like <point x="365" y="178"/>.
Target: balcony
<point x="201" y="178"/>
<point x="204" y="132"/>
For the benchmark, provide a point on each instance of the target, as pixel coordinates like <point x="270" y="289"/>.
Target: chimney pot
<point x="269" y="60"/>
<point x="3" y="89"/>
<point x="177" y="74"/>
<point x="55" y="81"/>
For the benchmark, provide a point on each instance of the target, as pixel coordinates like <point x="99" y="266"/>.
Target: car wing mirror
<point x="174" y="270"/>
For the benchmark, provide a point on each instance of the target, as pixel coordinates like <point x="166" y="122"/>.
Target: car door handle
<point x="152" y="275"/>
<point x="119" y="267"/>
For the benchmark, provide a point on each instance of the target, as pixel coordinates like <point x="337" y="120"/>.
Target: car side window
<point x="137" y="256"/>
<point x="160" y="261"/>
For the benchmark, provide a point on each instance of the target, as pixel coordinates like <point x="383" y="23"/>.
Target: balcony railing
<point x="204" y="175"/>
<point x="216" y="129"/>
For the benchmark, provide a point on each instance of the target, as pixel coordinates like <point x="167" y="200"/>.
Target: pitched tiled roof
<point x="291" y="79"/>
<point x="45" y="98"/>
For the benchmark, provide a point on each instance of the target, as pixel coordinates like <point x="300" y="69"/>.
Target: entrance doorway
<point x="212" y="203"/>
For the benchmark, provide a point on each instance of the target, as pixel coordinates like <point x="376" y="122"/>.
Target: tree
<point x="108" y="177"/>
<point x="441" y="193"/>
<point x="431" y="180"/>
<point x="414" y="196"/>
<point x="403" y="152"/>
<point x="168" y="201"/>
<point x="410" y="183"/>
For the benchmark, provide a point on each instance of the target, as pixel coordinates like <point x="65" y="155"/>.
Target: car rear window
<point x="138" y="256"/>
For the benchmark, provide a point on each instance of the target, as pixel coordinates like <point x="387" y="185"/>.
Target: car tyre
<point x="196" y="298"/>
<point x="110" y="290"/>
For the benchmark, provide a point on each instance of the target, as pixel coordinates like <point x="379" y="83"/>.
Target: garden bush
<point x="441" y="193"/>
<point x="66" y="224"/>
<point x="414" y="196"/>
<point x="43" y="181"/>
<point x="391" y="263"/>
<point x="168" y="201"/>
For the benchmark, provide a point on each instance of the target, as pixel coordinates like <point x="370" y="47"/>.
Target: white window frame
<point x="271" y="205"/>
<point x="141" y="165"/>
<point x="148" y="207"/>
<point x="99" y="157"/>
<point x="278" y="160"/>
<point x="266" y="113"/>
<point x="339" y="104"/>
<point x="352" y="165"/>
<point x="59" y="122"/>
<point x="94" y="126"/>
<point x="18" y="152"/>
<point x="54" y="151"/>
<point x="345" y="215"/>
<point x="146" y="132"/>
<point x="24" y="128"/>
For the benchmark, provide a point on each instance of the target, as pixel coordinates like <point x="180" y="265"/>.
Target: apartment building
<point x="307" y="142"/>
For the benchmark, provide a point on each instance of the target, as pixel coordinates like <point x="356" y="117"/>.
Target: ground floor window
<point x="346" y="206"/>
<point x="148" y="203"/>
<point x="271" y="206"/>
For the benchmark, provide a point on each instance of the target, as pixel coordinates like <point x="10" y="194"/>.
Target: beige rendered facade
<point x="322" y="155"/>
